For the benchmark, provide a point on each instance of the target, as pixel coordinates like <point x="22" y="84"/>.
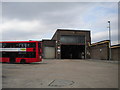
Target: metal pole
<point x="85" y="48"/>
<point x="110" y="40"/>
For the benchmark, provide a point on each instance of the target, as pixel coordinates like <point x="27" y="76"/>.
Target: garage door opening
<point x="72" y="51"/>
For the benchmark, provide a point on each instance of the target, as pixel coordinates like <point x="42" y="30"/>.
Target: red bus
<point x="20" y="51"/>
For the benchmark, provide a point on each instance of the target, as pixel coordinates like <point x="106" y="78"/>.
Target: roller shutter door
<point x="49" y="52"/>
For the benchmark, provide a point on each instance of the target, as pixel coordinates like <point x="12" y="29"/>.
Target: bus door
<point x="40" y="50"/>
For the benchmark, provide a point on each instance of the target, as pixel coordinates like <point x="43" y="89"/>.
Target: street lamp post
<point x="110" y="40"/>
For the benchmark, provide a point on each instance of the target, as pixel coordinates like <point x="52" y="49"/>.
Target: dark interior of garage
<point x="72" y="51"/>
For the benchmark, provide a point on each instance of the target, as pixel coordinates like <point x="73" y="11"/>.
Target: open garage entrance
<point x="72" y="51"/>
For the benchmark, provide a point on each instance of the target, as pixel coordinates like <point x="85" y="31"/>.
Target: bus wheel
<point x="22" y="61"/>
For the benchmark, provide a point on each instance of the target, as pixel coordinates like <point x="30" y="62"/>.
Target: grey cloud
<point x="24" y="10"/>
<point x="18" y="35"/>
<point x="56" y="15"/>
<point x="47" y="12"/>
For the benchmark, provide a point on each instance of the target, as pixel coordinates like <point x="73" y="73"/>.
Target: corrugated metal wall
<point x="49" y="52"/>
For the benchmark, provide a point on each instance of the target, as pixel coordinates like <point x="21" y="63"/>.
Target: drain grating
<point x="60" y="83"/>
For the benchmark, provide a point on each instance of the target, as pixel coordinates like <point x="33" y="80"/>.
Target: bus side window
<point x="17" y="45"/>
<point x="0" y="45"/>
<point x="7" y="45"/>
<point x="33" y="44"/>
<point x="28" y="45"/>
<point x="21" y="45"/>
<point x="39" y="45"/>
<point x="25" y="45"/>
<point x="3" y="45"/>
<point x="14" y="45"/>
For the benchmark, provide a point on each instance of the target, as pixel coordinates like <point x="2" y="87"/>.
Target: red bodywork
<point x="37" y="49"/>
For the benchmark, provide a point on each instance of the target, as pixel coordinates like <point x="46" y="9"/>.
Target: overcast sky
<point x="40" y="20"/>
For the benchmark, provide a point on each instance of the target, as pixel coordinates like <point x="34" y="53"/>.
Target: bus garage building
<point x="68" y="44"/>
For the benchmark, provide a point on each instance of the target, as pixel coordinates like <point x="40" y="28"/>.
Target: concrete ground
<point x="61" y="74"/>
